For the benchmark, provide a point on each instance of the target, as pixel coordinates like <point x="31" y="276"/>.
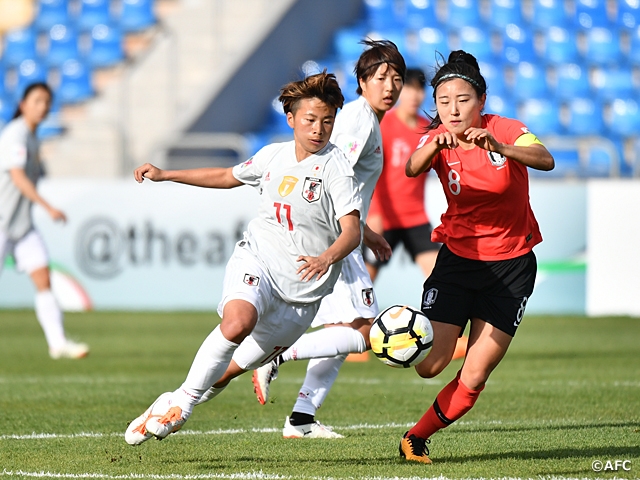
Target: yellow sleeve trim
<point x="526" y="140"/>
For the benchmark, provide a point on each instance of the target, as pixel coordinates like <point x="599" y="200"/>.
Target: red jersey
<point x="397" y="198"/>
<point x="488" y="215"/>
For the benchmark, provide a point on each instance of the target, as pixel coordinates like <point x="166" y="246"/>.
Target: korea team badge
<point x="496" y="159"/>
<point x="312" y="189"/>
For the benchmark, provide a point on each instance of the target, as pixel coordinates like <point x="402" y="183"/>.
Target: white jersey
<point x="18" y="149"/>
<point x="298" y="215"/>
<point x="357" y="133"/>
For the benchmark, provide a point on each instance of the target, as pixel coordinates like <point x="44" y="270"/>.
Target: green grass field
<point x="567" y="394"/>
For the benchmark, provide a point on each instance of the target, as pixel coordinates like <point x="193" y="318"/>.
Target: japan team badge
<point x="367" y="296"/>
<point x="312" y="189"/>
<point x="251" y="280"/>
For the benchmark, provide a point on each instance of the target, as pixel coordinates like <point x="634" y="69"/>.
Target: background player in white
<point x="380" y="71"/>
<point x="20" y="169"/>
<point x="308" y="221"/>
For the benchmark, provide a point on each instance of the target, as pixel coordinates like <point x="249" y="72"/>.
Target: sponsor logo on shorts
<point x="367" y="296"/>
<point x="312" y="189"/>
<point x="520" y="314"/>
<point x="496" y="159"/>
<point x="251" y="280"/>
<point x="430" y="298"/>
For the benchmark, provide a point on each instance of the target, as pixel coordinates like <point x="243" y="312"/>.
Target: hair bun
<point x="460" y="56"/>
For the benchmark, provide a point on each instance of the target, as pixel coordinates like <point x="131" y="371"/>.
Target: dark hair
<point x="30" y="88"/>
<point x="322" y="86"/>
<point x="416" y="78"/>
<point x="379" y="52"/>
<point x="460" y="64"/>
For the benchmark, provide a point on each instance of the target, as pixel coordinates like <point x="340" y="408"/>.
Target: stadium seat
<point x="7" y="109"/>
<point x="19" y="44"/>
<point x="50" y="13"/>
<point x="420" y="14"/>
<point x="599" y="163"/>
<point x="504" y="12"/>
<point x="530" y="82"/>
<point x="63" y="45"/>
<point x="585" y="117"/>
<point x="625" y="117"/>
<point x="495" y="78"/>
<point x="346" y="43"/>
<point x="603" y="46"/>
<point x="92" y="13"/>
<point x="463" y="13"/>
<point x="634" y="50"/>
<point x="477" y="42"/>
<point x="560" y="46"/>
<point x="541" y="116"/>
<point x="518" y="44"/>
<point x="591" y="13"/>
<point x="29" y="71"/>
<point x="500" y="105"/>
<point x="396" y="35"/>
<point x="628" y="14"/>
<point x="106" y="46"/>
<point x="75" y="82"/>
<point x="612" y="83"/>
<point x="572" y="80"/>
<point x="380" y="14"/>
<point x="137" y="15"/>
<point x="567" y="164"/>
<point x="430" y="41"/>
<point x="549" y="13"/>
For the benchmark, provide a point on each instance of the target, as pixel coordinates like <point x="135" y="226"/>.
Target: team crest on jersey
<point x="287" y="185"/>
<point x="430" y="298"/>
<point x="378" y="150"/>
<point x="251" y="280"/>
<point x="312" y="189"/>
<point x="367" y="296"/>
<point x="496" y="159"/>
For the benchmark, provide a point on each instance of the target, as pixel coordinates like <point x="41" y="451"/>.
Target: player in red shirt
<point x="486" y="269"/>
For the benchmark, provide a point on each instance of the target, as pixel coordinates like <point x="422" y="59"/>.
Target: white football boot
<point x="159" y="420"/>
<point x="309" y="430"/>
<point x="262" y="378"/>
<point x="70" y="349"/>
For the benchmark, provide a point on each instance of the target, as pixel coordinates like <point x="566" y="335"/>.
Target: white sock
<point x="321" y="373"/>
<point x="213" y="392"/>
<point x="327" y="342"/>
<point x="207" y="368"/>
<point x="50" y="319"/>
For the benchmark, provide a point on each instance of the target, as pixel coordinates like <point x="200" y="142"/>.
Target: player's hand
<point x="311" y="267"/>
<point x="378" y="245"/>
<point x="57" y="215"/>
<point x="482" y="138"/>
<point x="446" y="140"/>
<point x="149" y="171"/>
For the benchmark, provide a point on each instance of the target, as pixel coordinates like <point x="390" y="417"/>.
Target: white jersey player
<point x="289" y="259"/>
<point x="20" y="169"/>
<point x="380" y="72"/>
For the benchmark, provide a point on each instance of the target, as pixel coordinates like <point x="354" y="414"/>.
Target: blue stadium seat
<point x="63" y="44"/>
<point x="50" y="13"/>
<point x="603" y="46"/>
<point x="560" y="46"/>
<point x="598" y="163"/>
<point x="530" y="81"/>
<point x="137" y="15"/>
<point x="625" y="117"/>
<point x="420" y="14"/>
<point x="500" y="105"/>
<point x="591" y="13"/>
<point x="106" y="46"/>
<point x="549" y="13"/>
<point x="572" y="80"/>
<point x="541" y="116"/>
<point x="29" y="71"/>
<point x="75" y="82"/>
<point x="518" y="44"/>
<point x="381" y="14"/>
<point x="634" y="50"/>
<point x="3" y="85"/>
<point x="92" y="13"/>
<point x="585" y="117"/>
<point x="7" y="109"/>
<point x="462" y="13"/>
<point x="495" y="78"/>
<point x="567" y="164"/>
<point x="346" y="43"/>
<point x="477" y="42"/>
<point x="19" y="44"/>
<point x="504" y="12"/>
<point x="278" y="120"/>
<point x="628" y="14"/>
<point x="430" y="41"/>
<point x="396" y="35"/>
<point x="612" y="83"/>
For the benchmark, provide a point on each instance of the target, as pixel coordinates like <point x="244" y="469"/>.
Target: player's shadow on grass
<point x="557" y="454"/>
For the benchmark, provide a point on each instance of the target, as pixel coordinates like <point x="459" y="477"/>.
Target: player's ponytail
<point x="460" y="64"/>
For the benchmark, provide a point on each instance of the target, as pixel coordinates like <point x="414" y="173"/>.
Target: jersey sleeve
<point x="511" y="129"/>
<point x="351" y="135"/>
<point x="14" y="145"/>
<point x="250" y="172"/>
<point x="343" y="189"/>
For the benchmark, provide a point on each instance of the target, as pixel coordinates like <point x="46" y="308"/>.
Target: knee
<point x="236" y="329"/>
<point x="431" y="367"/>
<point x="474" y="378"/>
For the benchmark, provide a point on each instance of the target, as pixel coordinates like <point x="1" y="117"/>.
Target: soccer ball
<point x="401" y="336"/>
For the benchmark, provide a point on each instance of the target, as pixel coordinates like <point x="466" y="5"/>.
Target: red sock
<point x="452" y="402"/>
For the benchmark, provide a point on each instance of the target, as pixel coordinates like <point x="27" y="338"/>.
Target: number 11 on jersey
<point x="287" y="209"/>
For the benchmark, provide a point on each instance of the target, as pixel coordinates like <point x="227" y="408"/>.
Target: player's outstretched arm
<point x="199" y="177"/>
<point x="28" y="189"/>
<point x="346" y="242"/>
<point x="421" y="159"/>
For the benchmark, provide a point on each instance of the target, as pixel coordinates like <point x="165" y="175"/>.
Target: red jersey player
<point x="486" y="269"/>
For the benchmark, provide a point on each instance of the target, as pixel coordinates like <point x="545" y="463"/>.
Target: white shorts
<point x="280" y="323"/>
<point x="353" y="296"/>
<point x="29" y="252"/>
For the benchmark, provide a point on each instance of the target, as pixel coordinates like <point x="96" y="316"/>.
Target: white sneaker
<point x="310" y="430"/>
<point x="262" y="378"/>
<point x="70" y="349"/>
<point x="159" y="420"/>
